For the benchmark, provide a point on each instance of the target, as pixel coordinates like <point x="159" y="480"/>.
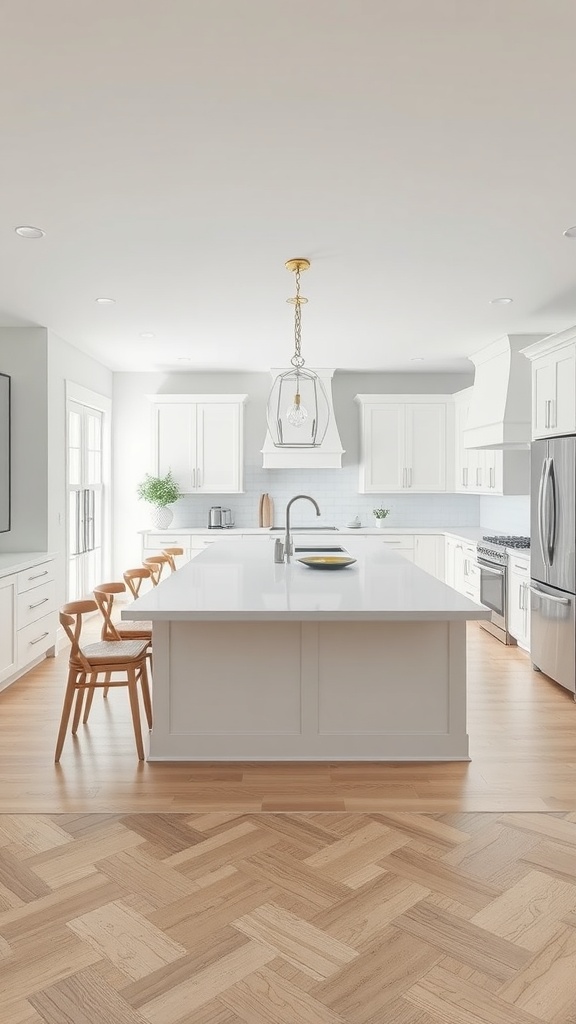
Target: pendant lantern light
<point x="298" y="410"/>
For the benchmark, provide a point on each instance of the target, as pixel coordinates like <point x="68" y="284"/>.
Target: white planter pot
<point x="161" y="517"/>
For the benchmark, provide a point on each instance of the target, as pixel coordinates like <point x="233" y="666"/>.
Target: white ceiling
<point x="421" y="153"/>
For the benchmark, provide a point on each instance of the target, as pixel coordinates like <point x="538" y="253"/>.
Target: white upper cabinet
<point x="486" y="471"/>
<point x="403" y="443"/>
<point x="200" y="439"/>
<point x="553" y="384"/>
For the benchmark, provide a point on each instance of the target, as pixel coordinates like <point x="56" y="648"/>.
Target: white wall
<point x="335" y="490"/>
<point x="23" y="355"/>
<point x="506" y="515"/>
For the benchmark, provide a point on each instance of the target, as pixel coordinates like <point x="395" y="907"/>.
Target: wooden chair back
<point x="71" y="619"/>
<point x="156" y="564"/>
<point x="104" y="596"/>
<point x="134" y="578"/>
<point x="172" y="554"/>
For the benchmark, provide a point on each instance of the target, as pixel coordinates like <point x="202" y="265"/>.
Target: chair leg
<point x="106" y="680"/>
<point x="146" y="693"/>
<point x="78" y="708"/>
<point x="89" y="697"/>
<point x="66" y="709"/>
<point x="133" y="693"/>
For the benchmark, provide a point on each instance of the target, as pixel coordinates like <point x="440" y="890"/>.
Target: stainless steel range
<point x="492" y="559"/>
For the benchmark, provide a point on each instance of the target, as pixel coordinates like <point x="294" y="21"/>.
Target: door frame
<point x="102" y="403"/>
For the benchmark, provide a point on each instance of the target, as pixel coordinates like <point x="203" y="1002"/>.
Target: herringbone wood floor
<point x="318" y="918"/>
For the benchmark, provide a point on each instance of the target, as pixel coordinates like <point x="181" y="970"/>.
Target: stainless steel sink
<point x="304" y="529"/>
<point x="320" y="547"/>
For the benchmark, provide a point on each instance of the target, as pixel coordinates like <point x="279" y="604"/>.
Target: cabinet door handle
<point x="466" y="474"/>
<point x="38" y="638"/>
<point x="38" y="575"/>
<point x="193" y="479"/>
<point x="477" y="478"/>
<point x="199" y="478"/>
<point x="410" y="478"/>
<point x="553" y="412"/>
<point x="38" y="603"/>
<point x="492" y="477"/>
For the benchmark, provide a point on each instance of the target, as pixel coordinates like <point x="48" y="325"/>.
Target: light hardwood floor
<point x="318" y="918"/>
<point x="523" y="747"/>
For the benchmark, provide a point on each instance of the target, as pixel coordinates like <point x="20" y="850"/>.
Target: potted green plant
<point x="159" y="492"/>
<point x="380" y="514"/>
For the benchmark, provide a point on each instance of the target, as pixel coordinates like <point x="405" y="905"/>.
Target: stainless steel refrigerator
<point x="552" y="559"/>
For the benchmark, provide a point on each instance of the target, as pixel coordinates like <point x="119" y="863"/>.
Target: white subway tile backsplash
<point x="336" y="492"/>
<point x="506" y="515"/>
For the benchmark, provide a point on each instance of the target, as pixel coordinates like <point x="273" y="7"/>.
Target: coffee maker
<point x="220" y="518"/>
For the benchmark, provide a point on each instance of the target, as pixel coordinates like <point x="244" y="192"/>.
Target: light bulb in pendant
<point x="296" y="413"/>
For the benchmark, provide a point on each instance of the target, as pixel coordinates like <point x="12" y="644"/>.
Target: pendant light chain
<point x="297" y="359"/>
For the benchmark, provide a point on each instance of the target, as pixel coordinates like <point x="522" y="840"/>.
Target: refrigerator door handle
<point x="541" y="512"/>
<point x="550" y="491"/>
<point x="549" y="597"/>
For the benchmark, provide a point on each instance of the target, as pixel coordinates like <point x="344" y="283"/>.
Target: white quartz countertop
<point x="471" y="533"/>
<point x="241" y="582"/>
<point x="17" y="561"/>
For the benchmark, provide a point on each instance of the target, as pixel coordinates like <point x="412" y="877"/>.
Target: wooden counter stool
<point x="156" y="564"/>
<point x="90" y="662"/>
<point x="172" y="554"/>
<point x="123" y="630"/>
<point x="134" y="578"/>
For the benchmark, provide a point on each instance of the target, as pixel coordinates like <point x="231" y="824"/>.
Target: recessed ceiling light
<point x="27" y="231"/>
<point x="104" y="301"/>
<point x="147" y="334"/>
<point x="570" y="232"/>
<point x="417" y="359"/>
<point x="184" y="359"/>
<point x="504" y="301"/>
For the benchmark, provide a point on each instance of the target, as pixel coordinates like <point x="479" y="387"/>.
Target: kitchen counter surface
<point x="471" y="533"/>
<point x="231" y="582"/>
<point x="17" y="561"/>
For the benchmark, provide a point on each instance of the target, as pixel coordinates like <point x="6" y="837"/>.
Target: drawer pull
<point x="38" y="603"/>
<point x="38" y="638"/>
<point x="38" y="575"/>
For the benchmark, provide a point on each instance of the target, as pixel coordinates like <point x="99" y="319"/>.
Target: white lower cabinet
<point x="518" y="599"/>
<point x="429" y="554"/>
<point x="402" y="543"/>
<point x="8" y="639"/>
<point x="28" y="618"/>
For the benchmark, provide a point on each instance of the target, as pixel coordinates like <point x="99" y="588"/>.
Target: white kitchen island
<point x="259" y="661"/>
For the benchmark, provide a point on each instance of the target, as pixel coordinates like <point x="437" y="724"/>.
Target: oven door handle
<point x="549" y="597"/>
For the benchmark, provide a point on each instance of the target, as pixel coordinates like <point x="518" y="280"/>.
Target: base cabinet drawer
<point x="33" y="604"/>
<point x="33" y="577"/>
<point x="35" y="639"/>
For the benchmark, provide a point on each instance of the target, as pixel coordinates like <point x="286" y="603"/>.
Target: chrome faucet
<point x="282" y="553"/>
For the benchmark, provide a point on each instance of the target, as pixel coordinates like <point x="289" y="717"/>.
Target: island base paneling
<point x="309" y="690"/>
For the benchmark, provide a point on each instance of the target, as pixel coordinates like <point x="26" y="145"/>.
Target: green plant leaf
<point x="159" y="490"/>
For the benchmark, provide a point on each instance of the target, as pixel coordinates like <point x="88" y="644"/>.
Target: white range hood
<point x="327" y="456"/>
<point x="500" y="412"/>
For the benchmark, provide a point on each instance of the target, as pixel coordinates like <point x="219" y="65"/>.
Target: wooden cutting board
<point x="260" y="510"/>
<point x="267" y="511"/>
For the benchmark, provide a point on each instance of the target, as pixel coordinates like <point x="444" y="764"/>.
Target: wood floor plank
<point x="529" y="913"/>
<point x="546" y="987"/>
<point x="300" y="943"/>
<point x="451" y="1000"/>
<point x="82" y="998"/>
<point x="134" y="945"/>
<point x="267" y="998"/>
<point x="182" y="1000"/>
